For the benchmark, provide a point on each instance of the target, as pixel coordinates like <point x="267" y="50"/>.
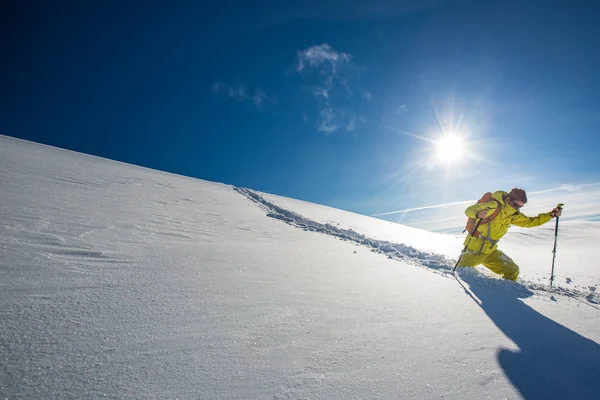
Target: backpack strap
<point x="489" y="219"/>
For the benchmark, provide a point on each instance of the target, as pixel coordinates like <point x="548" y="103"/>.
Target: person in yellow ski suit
<point x="483" y="246"/>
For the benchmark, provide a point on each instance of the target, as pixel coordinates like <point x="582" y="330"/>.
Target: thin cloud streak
<point x="566" y="187"/>
<point x="424" y="208"/>
<point x="562" y="187"/>
<point x="581" y="204"/>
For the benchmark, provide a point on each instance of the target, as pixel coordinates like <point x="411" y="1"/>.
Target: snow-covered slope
<point x="122" y="282"/>
<point x="577" y="265"/>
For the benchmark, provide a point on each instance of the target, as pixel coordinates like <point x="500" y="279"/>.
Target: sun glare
<point x="449" y="149"/>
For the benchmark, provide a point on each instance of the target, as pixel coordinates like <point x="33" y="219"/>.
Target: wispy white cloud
<point x="331" y="72"/>
<point x="332" y="120"/>
<point x="240" y="92"/>
<point x="327" y="122"/>
<point x="325" y="58"/>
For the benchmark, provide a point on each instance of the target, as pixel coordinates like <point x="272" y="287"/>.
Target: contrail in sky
<point x="562" y="187"/>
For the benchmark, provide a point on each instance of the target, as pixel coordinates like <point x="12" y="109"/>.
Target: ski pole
<point x="469" y="242"/>
<point x="560" y="206"/>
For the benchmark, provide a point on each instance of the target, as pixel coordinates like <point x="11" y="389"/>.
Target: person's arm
<point x="524" y="221"/>
<point x="474" y="210"/>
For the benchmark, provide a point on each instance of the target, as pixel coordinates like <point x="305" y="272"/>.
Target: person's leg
<point x="471" y="260"/>
<point x="501" y="264"/>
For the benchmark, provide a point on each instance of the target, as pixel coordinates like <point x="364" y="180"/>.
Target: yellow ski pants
<point x="496" y="261"/>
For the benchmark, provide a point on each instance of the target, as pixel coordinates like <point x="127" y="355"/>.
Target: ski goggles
<point x="516" y="204"/>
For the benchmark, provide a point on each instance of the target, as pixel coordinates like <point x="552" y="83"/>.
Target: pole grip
<point x="559" y="206"/>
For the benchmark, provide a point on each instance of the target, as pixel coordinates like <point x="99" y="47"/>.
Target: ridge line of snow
<point x="101" y="158"/>
<point x="401" y="252"/>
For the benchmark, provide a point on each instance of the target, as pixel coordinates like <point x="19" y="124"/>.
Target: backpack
<point x="471" y="221"/>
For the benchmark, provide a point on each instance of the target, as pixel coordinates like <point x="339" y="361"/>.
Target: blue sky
<point x="332" y="102"/>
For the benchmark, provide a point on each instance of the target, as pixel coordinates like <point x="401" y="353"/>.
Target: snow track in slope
<point x="408" y="254"/>
<point x="397" y="251"/>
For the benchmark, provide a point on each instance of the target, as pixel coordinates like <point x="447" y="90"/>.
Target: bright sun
<point x="449" y="149"/>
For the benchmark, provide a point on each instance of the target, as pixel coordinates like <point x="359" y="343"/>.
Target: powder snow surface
<point x="127" y="283"/>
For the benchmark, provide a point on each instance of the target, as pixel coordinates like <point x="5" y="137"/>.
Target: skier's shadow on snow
<point x="553" y="362"/>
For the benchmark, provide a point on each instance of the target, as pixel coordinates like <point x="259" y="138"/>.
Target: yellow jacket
<point x="492" y="231"/>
